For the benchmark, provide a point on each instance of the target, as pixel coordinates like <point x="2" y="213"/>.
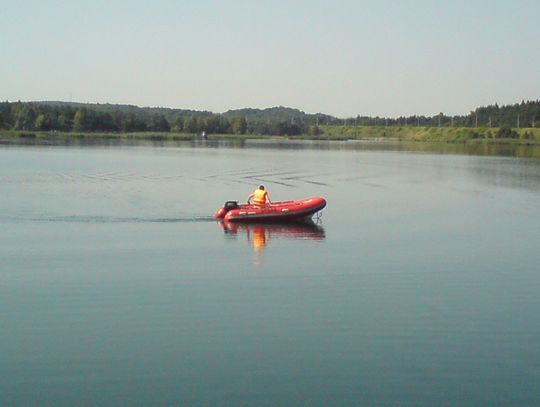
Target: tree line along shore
<point x="511" y="124"/>
<point x="336" y="133"/>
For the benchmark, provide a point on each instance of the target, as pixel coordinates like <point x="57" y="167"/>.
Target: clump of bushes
<point x="528" y="136"/>
<point x="506" y="132"/>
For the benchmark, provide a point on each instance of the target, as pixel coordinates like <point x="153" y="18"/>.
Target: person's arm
<point x="268" y="198"/>
<point x="249" y="198"/>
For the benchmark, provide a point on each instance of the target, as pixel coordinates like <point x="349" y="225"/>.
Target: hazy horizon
<point x="345" y="58"/>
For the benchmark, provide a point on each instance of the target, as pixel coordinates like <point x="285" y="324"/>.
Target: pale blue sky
<point x="372" y="57"/>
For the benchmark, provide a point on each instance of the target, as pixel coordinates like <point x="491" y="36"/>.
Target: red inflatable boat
<point x="274" y="212"/>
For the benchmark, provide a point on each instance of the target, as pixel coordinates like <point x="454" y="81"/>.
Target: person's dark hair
<point x="261" y="186"/>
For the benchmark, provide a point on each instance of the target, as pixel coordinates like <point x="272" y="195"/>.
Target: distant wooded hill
<point x="86" y="117"/>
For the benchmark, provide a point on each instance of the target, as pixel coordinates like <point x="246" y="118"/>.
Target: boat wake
<point x="106" y="219"/>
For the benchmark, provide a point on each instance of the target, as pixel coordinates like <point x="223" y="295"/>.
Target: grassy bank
<point x="151" y="136"/>
<point x="403" y="133"/>
<point x="94" y="135"/>
<point x="430" y="134"/>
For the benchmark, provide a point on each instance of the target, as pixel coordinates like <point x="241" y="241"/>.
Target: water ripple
<point x="107" y="219"/>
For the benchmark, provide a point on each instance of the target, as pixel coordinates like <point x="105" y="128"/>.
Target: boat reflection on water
<point x="259" y="235"/>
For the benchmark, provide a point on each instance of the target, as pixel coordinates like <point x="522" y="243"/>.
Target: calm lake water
<point x="418" y="286"/>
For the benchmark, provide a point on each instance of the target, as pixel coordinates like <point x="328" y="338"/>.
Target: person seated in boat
<point x="259" y="197"/>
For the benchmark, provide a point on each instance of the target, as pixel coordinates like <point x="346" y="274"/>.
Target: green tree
<point x="159" y="123"/>
<point x="25" y="116"/>
<point x="43" y="122"/>
<point x="63" y="123"/>
<point x="104" y="121"/>
<point x="239" y="125"/>
<point x="79" y="120"/>
<point x="134" y="123"/>
<point x="211" y="124"/>
<point x="178" y="124"/>
<point x="191" y="125"/>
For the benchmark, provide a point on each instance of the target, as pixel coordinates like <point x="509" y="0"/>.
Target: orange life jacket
<point x="259" y="197"/>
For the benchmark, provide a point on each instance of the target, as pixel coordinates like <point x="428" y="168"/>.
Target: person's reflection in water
<point x="258" y="241"/>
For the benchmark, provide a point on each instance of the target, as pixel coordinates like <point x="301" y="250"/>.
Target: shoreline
<point x="374" y="134"/>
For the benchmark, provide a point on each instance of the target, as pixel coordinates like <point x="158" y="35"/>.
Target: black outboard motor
<point x="230" y="205"/>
